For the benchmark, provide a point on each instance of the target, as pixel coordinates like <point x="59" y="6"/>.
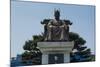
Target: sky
<point x="26" y="18"/>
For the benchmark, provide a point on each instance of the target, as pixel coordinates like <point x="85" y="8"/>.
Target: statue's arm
<point x="50" y="23"/>
<point x="66" y="26"/>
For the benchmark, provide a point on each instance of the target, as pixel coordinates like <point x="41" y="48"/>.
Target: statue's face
<point x="57" y="14"/>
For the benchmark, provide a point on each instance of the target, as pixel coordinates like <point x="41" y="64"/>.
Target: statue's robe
<point x="57" y="30"/>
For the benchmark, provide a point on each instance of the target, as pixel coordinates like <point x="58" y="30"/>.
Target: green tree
<point x="31" y="50"/>
<point x="80" y="52"/>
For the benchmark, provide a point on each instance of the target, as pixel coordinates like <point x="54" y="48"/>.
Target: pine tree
<point x="80" y="52"/>
<point x="31" y="50"/>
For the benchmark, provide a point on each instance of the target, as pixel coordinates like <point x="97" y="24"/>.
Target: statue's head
<point x="57" y="14"/>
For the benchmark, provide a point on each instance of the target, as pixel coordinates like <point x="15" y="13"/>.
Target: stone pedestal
<point x="54" y="52"/>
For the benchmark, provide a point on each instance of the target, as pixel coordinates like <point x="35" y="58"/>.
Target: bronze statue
<point x="56" y="29"/>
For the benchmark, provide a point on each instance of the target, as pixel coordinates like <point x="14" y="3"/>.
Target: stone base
<point x="60" y="50"/>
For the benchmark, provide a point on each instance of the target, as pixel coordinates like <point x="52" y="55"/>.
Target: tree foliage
<point x="31" y="50"/>
<point x="83" y="53"/>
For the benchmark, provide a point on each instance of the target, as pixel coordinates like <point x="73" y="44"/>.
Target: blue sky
<point x="26" y="17"/>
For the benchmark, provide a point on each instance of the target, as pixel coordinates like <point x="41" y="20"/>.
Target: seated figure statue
<point x="56" y="29"/>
